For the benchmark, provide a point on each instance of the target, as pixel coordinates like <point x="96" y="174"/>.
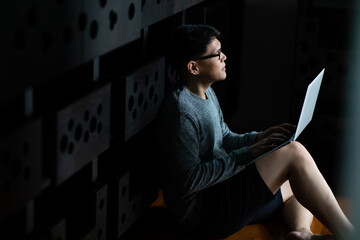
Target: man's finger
<point x="289" y="126"/>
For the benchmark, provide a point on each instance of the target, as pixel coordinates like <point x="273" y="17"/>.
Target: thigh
<point x="274" y="168"/>
<point x="286" y="191"/>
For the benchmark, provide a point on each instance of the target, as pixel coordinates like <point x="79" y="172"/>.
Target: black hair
<point x="188" y="42"/>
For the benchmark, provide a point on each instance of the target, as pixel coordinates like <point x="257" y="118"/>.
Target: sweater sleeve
<point x="182" y="161"/>
<point x="232" y="141"/>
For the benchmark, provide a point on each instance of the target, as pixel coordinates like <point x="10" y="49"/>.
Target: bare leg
<point x="294" y="163"/>
<point x="295" y="215"/>
<point x="297" y="218"/>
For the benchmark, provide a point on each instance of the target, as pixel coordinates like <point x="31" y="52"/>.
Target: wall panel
<point x="43" y="39"/>
<point x="155" y="10"/>
<point x="111" y="24"/>
<point x="144" y="93"/>
<point x="83" y="132"/>
<point x="21" y="169"/>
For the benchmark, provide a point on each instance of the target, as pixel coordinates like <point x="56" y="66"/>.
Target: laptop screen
<point x="309" y="103"/>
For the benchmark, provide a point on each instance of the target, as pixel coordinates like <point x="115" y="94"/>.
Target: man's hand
<point x="271" y="138"/>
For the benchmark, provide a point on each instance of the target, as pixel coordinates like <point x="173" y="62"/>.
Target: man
<point x="208" y="187"/>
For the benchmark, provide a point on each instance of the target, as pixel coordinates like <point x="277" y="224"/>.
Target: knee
<point x="297" y="148"/>
<point x="299" y="155"/>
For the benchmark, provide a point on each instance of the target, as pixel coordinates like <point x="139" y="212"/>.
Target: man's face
<point x="212" y="69"/>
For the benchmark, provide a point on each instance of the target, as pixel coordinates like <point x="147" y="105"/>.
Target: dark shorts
<point x="236" y="202"/>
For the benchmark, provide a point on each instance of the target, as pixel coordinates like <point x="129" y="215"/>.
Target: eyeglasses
<point x="208" y="56"/>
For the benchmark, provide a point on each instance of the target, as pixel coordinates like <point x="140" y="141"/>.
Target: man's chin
<point x="224" y="77"/>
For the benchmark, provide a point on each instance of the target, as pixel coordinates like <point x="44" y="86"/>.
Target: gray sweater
<point x="197" y="151"/>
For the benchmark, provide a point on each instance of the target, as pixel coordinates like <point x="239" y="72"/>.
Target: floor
<point x="150" y="227"/>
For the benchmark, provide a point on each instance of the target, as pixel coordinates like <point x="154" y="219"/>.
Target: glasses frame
<point x="208" y="56"/>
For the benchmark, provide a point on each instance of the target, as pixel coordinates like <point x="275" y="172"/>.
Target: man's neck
<point x="198" y="88"/>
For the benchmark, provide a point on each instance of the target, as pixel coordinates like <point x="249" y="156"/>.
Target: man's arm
<point x="232" y="141"/>
<point x="182" y="163"/>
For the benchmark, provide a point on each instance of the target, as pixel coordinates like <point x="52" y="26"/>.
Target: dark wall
<point x="81" y="83"/>
<point x="324" y="40"/>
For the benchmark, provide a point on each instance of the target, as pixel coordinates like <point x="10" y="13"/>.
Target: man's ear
<point x="193" y="68"/>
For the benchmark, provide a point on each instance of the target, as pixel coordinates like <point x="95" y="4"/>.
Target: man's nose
<point x="223" y="57"/>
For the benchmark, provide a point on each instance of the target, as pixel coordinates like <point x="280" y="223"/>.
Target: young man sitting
<point x="208" y="187"/>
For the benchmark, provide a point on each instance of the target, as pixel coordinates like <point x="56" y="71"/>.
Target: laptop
<point x="306" y="112"/>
